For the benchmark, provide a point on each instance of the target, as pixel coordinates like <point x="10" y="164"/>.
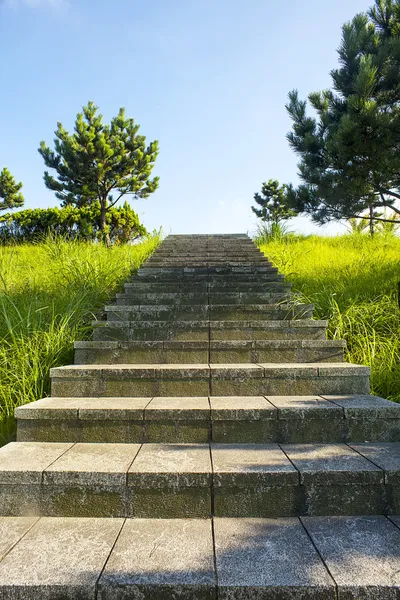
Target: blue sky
<point x="208" y="78"/>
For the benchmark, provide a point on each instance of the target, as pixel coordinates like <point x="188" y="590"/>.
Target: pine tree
<point x="349" y="153"/>
<point x="273" y="203"/>
<point x="100" y="162"/>
<point x="10" y="194"/>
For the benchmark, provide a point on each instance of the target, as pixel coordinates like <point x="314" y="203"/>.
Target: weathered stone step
<point x="223" y="419"/>
<point x="207" y="269"/>
<point x="131" y="297"/>
<point x="303" y="329"/>
<point x="201" y="312"/>
<point x="244" y="258"/>
<point x="215" y="380"/>
<point x="313" y="558"/>
<point x="221" y="287"/>
<point x="88" y="352"/>
<point x="195" y="275"/>
<point x="198" y="480"/>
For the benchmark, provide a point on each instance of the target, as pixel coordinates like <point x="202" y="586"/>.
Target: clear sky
<point x="207" y="78"/>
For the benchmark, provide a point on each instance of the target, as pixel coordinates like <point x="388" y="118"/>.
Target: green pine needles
<point x="349" y="152"/>
<point x="100" y="163"/>
<point x="272" y="202"/>
<point x="10" y="191"/>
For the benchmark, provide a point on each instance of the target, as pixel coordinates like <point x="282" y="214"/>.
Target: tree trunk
<point x="102" y="222"/>
<point x="371" y="221"/>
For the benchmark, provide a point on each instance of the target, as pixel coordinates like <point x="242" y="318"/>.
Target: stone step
<point x="215" y="380"/>
<point x="207" y="269"/>
<point x="293" y="351"/>
<point x="212" y="261"/>
<point x="302" y="329"/>
<point x="313" y="558"/>
<point x="220" y="287"/>
<point x="208" y="259"/>
<point x="131" y="297"/>
<point x="198" y="480"/>
<point x="223" y="419"/>
<point x="201" y="312"/>
<point x="197" y="276"/>
<point x="244" y="257"/>
<point x="202" y="249"/>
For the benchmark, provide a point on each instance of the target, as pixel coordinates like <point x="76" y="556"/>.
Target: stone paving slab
<point x="305" y="407"/>
<point x="181" y="409"/>
<point x="361" y="553"/>
<point x="170" y="481"/>
<point x="251" y="464"/>
<point x="27" y="460"/>
<point x="243" y="419"/>
<point x="115" y="410"/>
<point x="384" y="455"/>
<point x="156" y="559"/>
<point x="58" y="559"/>
<point x="238" y="408"/>
<point x="164" y="465"/>
<point x="239" y="370"/>
<point x="378" y="408"/>
<point x="48" y="408"/>
<point x="12" y="529"/>
<point x="268" y="559"/>
<point x="326" y="464"/>
<point x="92" y="464"/>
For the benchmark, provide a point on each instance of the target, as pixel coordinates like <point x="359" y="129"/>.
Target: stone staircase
<point x="209" y="443"/>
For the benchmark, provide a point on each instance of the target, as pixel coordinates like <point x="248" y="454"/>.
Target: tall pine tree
<point x="350" y="152"/>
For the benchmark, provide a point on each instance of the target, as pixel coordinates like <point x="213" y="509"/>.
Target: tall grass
<point x="49" y="294"/>
<point x="353" y="281"/>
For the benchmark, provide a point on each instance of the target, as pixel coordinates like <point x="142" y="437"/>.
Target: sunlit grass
<point x="353" y="282"/>
<point x="49" y="294"/>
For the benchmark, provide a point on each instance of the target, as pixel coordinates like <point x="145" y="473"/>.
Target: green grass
<point x="353" y="282"/>
<point x="49" y="294"/>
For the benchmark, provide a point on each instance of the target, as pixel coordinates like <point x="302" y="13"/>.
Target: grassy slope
<point x="49" y="293"/>
<point x="353" y="281"/>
